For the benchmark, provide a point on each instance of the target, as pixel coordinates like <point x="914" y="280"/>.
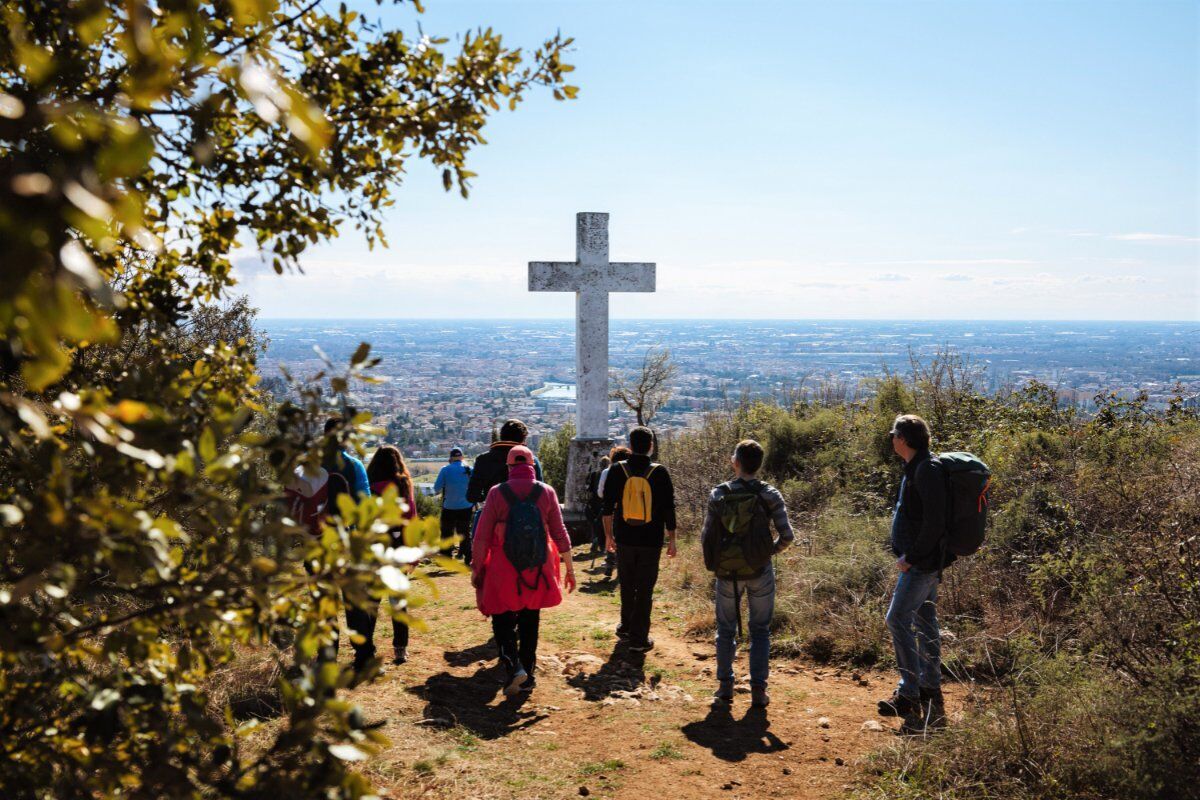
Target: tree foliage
<point x="142" y="143"/>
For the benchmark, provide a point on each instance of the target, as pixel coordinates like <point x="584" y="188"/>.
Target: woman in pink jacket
<point x="522" y="523"/>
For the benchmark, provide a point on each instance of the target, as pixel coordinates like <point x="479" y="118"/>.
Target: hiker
<point x="451" y="484"/>
<point x="618" y="454"/>
<point x="491" y="468"/>
<point x="338" y="459"/>
<point x="387" y="468"/>
<point x="738" y="545"/>
<point x="594" y="508"/>
<point x="312" y="499"/>
<point x="918" y="527"/>
<point x="519" y="542"/>
<point x="639" y="514"/>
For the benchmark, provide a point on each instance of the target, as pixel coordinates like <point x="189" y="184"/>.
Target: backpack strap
<point x="508" y="493"/>
<point x="535" y="492"/>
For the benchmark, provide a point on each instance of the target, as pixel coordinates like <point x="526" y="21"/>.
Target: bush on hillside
<point x="1078" y="618"/>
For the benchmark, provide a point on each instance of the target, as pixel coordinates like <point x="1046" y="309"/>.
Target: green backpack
<point x="746" y="543"/>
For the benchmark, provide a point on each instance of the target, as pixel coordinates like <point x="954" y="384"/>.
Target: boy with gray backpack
<point x="738" y="546"/>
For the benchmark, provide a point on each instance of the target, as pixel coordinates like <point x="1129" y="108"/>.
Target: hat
<point x="520" y="455"/>
<point x="455" y="451"/>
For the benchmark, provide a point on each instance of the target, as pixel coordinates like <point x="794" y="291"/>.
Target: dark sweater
<point x="662" y="512"/>
<point x="920" y="520"/>
<point x="491" y="469"/>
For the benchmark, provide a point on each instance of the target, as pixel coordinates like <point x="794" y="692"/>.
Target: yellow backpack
<point x="637" y="500"/>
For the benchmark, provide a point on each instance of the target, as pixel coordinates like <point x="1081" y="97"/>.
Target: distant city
<point x="451" y="382"/>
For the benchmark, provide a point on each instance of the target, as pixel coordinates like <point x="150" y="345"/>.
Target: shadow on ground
<point x="467" y="701"/>
<point x="732" y="739"/>
<point x="624" y="671"/>
<point x="480" y="652"/>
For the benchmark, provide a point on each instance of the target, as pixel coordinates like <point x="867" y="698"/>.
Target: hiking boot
<point x="913" y="725"/>
<point x="933" y="706"/>
<point x="899" y="705"/>
<point x="622" y="634"/>
<point x="759" y="697"/>
<point x="515" y="682"/>
<point x="643" y="647"/>
<point x="724" y="692"/>
<point x="400" y="656"/>
<point x="529" y="684"/>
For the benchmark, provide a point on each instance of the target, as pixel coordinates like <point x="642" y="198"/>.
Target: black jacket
<point x="919" y="524"/>
<point x="662" y="514"/>
<point x="491" y="469"/>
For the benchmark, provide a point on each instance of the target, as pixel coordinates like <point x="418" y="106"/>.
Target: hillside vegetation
<point x="1078" y="624"/>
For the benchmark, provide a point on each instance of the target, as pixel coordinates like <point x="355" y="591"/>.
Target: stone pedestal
<point x="583" y="456"/>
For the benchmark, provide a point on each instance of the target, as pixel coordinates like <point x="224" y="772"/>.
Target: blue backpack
<point x="525" y="536"/>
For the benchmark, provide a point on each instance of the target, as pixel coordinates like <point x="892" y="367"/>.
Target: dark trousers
<point x="468" y="542"/>
<point x="457" y="522"/>
<point x="516" y="635"/>
<point x="361" y="621"/>
<point x="639" y="572"/>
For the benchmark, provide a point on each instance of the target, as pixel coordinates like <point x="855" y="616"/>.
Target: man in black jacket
<point x="638" y="546"/>
<point x="918" y="528"/>
<point x="491" y="469"/>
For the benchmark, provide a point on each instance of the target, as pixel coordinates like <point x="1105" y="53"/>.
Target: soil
<point x="603" y="722"/>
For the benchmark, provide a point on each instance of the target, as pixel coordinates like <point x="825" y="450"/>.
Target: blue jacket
<point x="353" y="471"/>
<point x="452" y="480"/>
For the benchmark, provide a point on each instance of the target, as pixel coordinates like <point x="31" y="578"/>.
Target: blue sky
<point x="923" y="160"/>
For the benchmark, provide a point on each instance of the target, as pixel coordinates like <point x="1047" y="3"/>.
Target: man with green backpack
<point x="738" y="546"/>
<point x="939" y="516"/>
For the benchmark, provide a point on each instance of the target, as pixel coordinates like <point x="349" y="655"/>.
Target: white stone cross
<point x="591" y="277"/>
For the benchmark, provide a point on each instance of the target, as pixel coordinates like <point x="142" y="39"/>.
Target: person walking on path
<point x="520" y="542"/>
<point x="387" y="468"/>
<point x="639" y="515"/>
<point x="338" y="459"/>
<point x="595" y="505"/>
<point x="918" y="528"/>
<point x="451" y="484"/>
<point x="615" y="456"/>
<point x="738" y="547"/>
<point x="491" y="468"/>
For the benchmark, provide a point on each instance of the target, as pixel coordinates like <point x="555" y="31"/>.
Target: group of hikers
<point x="511" y="532"/>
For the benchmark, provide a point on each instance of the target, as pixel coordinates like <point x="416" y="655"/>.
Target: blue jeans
<point x="760" y="599"/>
<point x="912" y="619"/>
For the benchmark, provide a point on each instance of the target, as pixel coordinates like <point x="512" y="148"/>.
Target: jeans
<point x="516" y="635"/>
<point x="639" y="572"/>
<point x="760" y="601"/>
<point x="912" y="620"/>
<point x="361" y="621"/>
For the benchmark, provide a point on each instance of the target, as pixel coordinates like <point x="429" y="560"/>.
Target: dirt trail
<point x="602" y="722"/>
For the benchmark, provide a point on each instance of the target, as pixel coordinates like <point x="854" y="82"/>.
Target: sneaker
<point x="622" y="634"/>
<point x="400" y="656"/>
<point x="724" y="692"/>
<point x="759" y="697"/>
<point x="529" y="684"/>
<point x="643" y="647"/>
<point x="899" y="705"/>
<point x="513" y="687"/>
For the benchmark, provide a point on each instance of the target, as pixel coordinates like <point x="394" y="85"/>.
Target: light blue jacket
<point x="452" y="480"/>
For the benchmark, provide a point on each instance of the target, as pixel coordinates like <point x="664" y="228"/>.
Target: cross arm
<point x="568" y="276"/>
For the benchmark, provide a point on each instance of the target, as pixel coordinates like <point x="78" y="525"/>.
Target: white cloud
<point x="956" y="277"/>
<point x="891" y="277"/>
<point x="1154" y="237"/>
